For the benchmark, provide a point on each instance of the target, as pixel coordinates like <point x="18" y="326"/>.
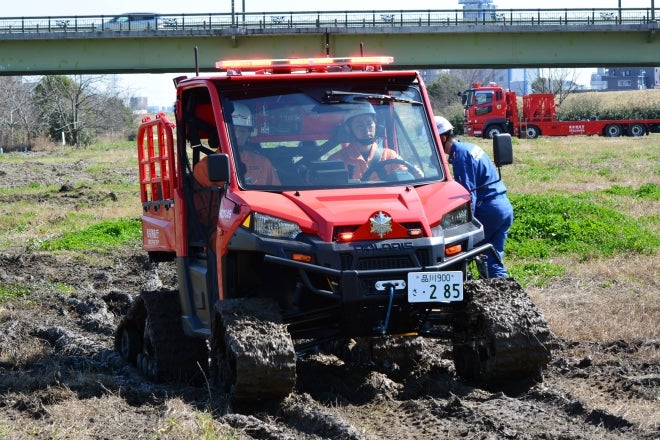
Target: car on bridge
<point x="134" y="21"/>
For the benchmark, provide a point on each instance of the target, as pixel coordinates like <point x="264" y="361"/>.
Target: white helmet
<point x="241" y="116"/>
<point x="443" y="125"/>
<point x="361" y="108"/>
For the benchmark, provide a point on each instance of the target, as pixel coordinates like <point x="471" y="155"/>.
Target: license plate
<point x="435" y="286"/>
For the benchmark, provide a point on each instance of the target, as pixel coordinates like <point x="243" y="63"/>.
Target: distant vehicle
<point x="134" y="21"/>
<point x="491" y="110"/>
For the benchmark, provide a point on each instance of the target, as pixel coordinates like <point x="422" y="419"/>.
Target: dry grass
<point x="619" y="98"/>
<point x="600" y="299"/>
<point x="605" y="300"/>
<point x="576" y="164"/>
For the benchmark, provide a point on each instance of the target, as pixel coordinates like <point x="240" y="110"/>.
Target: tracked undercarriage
<point x="499" y="335"/>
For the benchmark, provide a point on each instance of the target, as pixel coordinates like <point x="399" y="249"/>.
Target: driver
<point x="364" y="148"/>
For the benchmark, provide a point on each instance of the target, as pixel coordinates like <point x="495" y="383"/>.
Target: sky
<point x="158" y="87"/>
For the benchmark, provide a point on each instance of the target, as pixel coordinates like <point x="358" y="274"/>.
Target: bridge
<point x="415" y="38"/>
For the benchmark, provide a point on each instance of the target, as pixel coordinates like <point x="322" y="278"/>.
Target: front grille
<point x="423" y="256"/>
<point x="393" y="262"/>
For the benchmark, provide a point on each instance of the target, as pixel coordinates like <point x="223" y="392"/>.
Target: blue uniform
<point x="473" y="169"/>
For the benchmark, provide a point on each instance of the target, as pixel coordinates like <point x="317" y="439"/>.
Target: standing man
<point x="475" y="171"/>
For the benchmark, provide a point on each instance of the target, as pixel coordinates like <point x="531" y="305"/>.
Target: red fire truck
<point x="491" y="109"/>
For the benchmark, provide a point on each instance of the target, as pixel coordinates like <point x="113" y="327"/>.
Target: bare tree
<point x="471" y="76"/>
<point x="559" y="82"/>
<point x="18" y="122"/>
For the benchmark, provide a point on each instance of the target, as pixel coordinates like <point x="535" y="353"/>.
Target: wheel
<point x="380" y="168"/>
<point x="493" y="131"/>
<point x="130" y="344"/>
<point x="149" y="365"/>
<point x="532" y="132"/>
<point x="636" y="130"/>
<point x="613" y="130"/>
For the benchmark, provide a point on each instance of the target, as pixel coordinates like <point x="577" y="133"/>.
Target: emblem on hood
<point x="381" y="224"/>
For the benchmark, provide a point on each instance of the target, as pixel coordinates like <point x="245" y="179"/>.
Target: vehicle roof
<point x="135" y="13"/>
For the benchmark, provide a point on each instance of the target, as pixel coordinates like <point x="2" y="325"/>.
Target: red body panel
<point x="158" y="181"/>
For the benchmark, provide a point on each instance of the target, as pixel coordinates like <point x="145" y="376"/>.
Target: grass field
<point x="585" y="242"/>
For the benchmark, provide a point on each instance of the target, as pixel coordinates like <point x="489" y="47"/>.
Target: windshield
<point x="331" y="138"/>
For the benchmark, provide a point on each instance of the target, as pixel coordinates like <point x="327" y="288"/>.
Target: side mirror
<point x="502" y="149"/>
<point x="218" y="168"/>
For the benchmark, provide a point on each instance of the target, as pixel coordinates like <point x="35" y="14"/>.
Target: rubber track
<point x="177" y="356"/>
<point x="507" y="329"/>
<point x="264" y="359"/>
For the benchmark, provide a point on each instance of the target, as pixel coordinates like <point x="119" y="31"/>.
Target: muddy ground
<point x="61" y="379"/>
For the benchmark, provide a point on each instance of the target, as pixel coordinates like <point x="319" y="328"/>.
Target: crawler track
<point x="253" y="350"/>
<point x="501" y="335"/>
<point x="162" y="352"/>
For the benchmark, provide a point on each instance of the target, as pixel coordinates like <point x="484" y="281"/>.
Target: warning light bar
<point x="316" y="64"/>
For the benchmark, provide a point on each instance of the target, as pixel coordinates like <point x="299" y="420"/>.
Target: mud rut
<point x="57" y="351"/>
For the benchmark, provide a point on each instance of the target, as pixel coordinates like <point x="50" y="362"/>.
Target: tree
<point x="559" y="82"/>
<point x="80" y="107"/>
<point x="445" y="90"/>
<point x="62" y="101"/>
<point x="18" y="121"/>
<point x="471" y="76"/>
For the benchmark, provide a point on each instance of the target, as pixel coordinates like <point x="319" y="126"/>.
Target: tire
<point x="493" y="130"/>
<point x="613" y="130"/>
<point x="636" y="130"/>
<point x="532" y="132"/>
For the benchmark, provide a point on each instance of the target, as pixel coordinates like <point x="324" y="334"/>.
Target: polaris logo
<point x="384" y="247"/>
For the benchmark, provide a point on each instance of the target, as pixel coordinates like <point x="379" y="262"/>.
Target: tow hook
<point x="391" y="287"/>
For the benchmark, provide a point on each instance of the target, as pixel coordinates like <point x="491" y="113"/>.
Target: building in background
<point x="625" y="78"/>
<point x="478" y="9"/>
<point x="138" y="103"/>
<point x="517" y="80"/>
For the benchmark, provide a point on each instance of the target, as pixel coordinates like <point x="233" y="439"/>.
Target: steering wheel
<point x="379" y="167"/>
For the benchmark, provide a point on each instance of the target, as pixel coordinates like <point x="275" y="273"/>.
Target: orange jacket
<point x="258" y="170"/>
<point x="351" y="155"/>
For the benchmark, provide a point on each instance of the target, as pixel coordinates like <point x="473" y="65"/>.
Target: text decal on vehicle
<point x="435" y="286"/>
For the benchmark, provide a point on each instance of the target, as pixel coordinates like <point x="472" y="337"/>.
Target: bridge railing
<point x="336" y="19"/>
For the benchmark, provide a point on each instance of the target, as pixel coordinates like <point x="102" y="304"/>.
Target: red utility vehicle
<point x="269" y="270"/>
<point x="490" y="110"/>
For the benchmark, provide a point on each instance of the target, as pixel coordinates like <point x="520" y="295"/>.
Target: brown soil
<point x="61" y="379"/>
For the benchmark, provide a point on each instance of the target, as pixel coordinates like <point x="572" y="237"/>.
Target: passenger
<point x="257" y="169"/>
<point x="364" y="148"/>
<point x="473" y="169"/>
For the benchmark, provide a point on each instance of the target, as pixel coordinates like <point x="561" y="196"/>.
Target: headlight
<point x="457" y="217"/>
<point x="274" y="227"/>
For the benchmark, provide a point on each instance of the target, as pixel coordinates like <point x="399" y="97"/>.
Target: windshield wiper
<point x="340" y="97"/>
